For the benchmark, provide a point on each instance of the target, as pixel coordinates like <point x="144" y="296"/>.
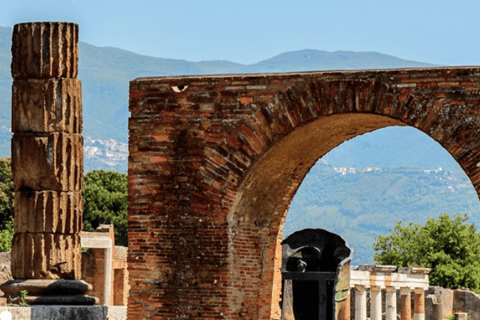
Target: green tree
<point x="6" y="205"/>
<point x="6" y="236"/>
<point x="6" y="192"/>
<point x="450" y="247"/>
<point x="105" y="195"/>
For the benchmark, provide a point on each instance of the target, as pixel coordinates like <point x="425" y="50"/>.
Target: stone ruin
<point x="47" y="166"/>
<point x="214" y="162"/>
<point x="47" y="170"/>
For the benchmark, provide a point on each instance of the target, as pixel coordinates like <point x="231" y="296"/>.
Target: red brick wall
<point x="213" y="169"/>
<point x="93" y="273"/>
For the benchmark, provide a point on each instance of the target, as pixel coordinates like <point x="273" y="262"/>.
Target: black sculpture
<point x="312" y="261"/>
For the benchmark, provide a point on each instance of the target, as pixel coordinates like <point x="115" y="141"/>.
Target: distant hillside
<point x="362" y="203"/>
<point x="105" y="73"/>
<point x="364" y="186"/>
<point x="307" y="60"/>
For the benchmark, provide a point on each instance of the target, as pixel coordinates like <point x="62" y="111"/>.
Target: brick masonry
<point x="216" y="160"/>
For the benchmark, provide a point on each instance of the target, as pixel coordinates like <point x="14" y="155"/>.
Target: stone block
<point x="47" y="105"/>
<point x="67" y="312"/>
<point x="48" y="211"/>
<point x="46" y="256"/>
<point x="50" y="161"/>
<point x="460" y="316"/>
<point x="444" y="299"/>
<point x="467" y="301"/>
<point x="37" y="287"/>
<point x="45" y="50"/>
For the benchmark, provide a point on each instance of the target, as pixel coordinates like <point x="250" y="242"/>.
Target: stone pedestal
<point x="47" y="165"/>
<point x="67" y="312"/>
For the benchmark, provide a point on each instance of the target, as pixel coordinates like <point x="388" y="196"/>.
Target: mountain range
<point x="105" y="74"/>
<point x="364" y="186"/>
<point x="371" y="181"/>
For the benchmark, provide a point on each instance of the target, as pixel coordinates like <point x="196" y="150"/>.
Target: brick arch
<point x="213" y="168"/>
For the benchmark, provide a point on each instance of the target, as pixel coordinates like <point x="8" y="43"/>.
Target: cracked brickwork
<point x="215" y="161"/>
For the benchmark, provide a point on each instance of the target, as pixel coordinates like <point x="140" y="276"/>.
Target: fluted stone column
<point x="419" y="306"/>
<point x="406" y="304"/>
<point x="360" y="302"/>
<point x="391" y="303"/>
<point x="47" y="159"/>
<point x="375" y="303"/>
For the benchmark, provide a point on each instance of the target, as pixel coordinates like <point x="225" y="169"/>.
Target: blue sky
<point x="247" y="31"/>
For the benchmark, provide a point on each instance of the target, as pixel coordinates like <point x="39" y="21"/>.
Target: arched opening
<point x="257" y="217"/>
<point x="260" y="211"/>
<point x="405" y="172"/>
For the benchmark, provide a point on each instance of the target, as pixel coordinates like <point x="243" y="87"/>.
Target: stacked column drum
<point x="47" y="164"/>
<point x="47" y="155"/>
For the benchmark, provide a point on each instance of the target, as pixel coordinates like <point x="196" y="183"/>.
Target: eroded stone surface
<point x="48" y="211"/>
<point x="47" y="105"/>
<point x="51" y="161"/>
<point x="46" y="256"/>
<point x="45" y="50"/>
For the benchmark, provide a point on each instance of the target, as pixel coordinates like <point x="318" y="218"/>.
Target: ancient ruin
<point x="387" y="278"/>
<point x="47" y="165"/>
<point x="214" y="162"/>
<point x="104" y="266"/>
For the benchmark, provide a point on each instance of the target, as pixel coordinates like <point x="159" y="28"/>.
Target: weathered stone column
<point x="406" y="303"/>
<point x="360" y="303"/>
<point x="375" y="303"/>
<point x="391" y="303"/>
<point x="47" y="164"/>
<point x="419" y="306"/>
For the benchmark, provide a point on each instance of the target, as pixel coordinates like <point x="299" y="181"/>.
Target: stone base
<point x="67" y="312"/>
<point x="75" y="300"/>
<point x="48" y="292"/>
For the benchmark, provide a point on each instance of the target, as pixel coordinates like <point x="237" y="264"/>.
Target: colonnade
<point x="378" y="278"/>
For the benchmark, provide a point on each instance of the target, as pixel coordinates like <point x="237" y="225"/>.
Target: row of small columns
<point x="391" y="303"/>
<point x="377" y="278"/>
